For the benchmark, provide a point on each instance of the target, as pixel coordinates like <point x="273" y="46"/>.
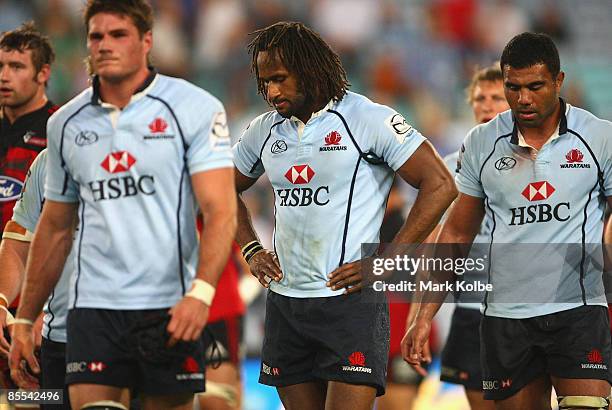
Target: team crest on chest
<point x="333" y="142"/>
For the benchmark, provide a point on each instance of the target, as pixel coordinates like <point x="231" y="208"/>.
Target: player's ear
<point x="43" y="75"/>
<point x="559" y="81"/>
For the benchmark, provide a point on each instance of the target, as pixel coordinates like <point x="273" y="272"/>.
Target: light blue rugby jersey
<point x="471" y="299"/>
<point x="130" y="172"/>
<point x="328" y="198"/>
<point x="26" y="213"/>
<point x="552" y="202"/>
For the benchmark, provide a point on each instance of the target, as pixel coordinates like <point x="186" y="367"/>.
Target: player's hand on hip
<point x="21" y="358"/>
<point x="265" y="267"/>
<point x="348" y="276"/>
<point x="415" y="345"/>
<point x="4" y="343"/>
<point x="188" y="318"/>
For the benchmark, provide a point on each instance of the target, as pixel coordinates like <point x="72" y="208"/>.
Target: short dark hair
<point x="27" y="37"/>
<point x="528" y="49"/>
<point x="491" y="73"/>
<point x="139" y="11"/>
<point x="304" y="53"/>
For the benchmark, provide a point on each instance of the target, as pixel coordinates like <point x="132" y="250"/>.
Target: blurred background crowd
<point x="414" y="55"/>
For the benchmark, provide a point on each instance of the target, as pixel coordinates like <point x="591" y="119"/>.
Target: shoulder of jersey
<point x="72" y="106"/>
<point x="177" y="90"/>
<point x="486" y="134"/>
<point x="587" y="124"/>
<point x="265" y="121"/>
<point x="354" y="103"/>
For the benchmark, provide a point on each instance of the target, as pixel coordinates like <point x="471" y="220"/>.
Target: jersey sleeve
<point x="210" y="147"/>
<point x="247" y="149"/>
<point x="394" y="139"/>
<point x="27" y="210"/>
<point x="606" y="131"/>
<point x="467" y="175"/>
<point x="59" y="185"/>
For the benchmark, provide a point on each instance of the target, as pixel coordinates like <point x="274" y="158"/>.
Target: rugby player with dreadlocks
<point x="330" y="156"/>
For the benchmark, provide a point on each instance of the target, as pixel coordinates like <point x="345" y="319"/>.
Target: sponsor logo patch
<point x="219" y="135"/>
<point x="10" y="189"/>
<point x="278" y="147"/>
<point x="31" y="138"/>
<point x="505" y="163"/>
<point x="399" y="126"/>
<point x="300" y="174"/>
<point x="119" y="161"/>
<point x="538" y="191"/>
<point x="85" y="138"/>
<point x="96" y="367"/>
<point x="269" y="370"/>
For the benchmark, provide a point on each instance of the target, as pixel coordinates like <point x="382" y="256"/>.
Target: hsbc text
<point x="303" y="196"/>
<point x="115" y="188"/>
<point x="540" y="213"/>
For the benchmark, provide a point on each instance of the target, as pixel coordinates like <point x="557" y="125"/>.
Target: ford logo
<point x="10" y="189"/>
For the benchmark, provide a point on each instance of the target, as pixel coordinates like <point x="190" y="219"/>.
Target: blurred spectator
<point x="170" y="46"/>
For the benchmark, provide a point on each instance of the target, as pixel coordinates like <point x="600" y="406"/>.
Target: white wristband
<point x="202" y="290"/>
<point x="9" y="317"/>
<point x="22" y="321"/>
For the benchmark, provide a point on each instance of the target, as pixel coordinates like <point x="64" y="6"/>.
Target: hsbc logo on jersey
<point x="300" y="174"/>
<point x="121" y="186"/>
<point x="119" y="161"/>
<point x="537" y="191"/>
<point x="542" y="212"/>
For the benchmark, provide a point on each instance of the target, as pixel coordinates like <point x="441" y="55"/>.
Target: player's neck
<point x="119" y="93"/>
<point x="537" y="136"/>
<point x="306" y="114"/>
<point x="35" y="103"/>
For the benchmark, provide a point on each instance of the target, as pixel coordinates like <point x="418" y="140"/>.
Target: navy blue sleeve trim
<point x="599" y="183"/>
<point x="258" y="161"/>
<point x="180" y="192"/>
<point x="61" y="151"/>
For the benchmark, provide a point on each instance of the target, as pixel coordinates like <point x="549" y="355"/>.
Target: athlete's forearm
<point x="215" y="243"/>
<point x="13" y="257"/>
<point x="245" y="232"/>
<point x="433" y="199"/>
<point x="48" y="253"/>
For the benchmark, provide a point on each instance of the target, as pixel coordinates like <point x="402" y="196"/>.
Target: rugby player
<point x="13" y="255"/>
<point x="543" y="155"/>
<point x="25" y="67"/>
<point x="330" y="156"/>
<point x="135" y="155"/>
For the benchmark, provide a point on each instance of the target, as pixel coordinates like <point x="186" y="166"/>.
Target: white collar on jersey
<point x="315" y="114"/>
<point x="523" y="143"/>
<point x="554" y="136"/>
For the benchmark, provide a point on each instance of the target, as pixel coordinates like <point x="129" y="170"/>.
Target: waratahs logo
<point x="332" y="142"/>
<point x="575" y="159"/>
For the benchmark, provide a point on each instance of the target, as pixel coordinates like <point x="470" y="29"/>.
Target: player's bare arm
<point x="214" y="193"/>
<point x="49" y="250"/>
<point x="425" y="171"/>
<point x="263" y="263"/>
<point x="13" y="256"/>
<point x="461" y="227"/>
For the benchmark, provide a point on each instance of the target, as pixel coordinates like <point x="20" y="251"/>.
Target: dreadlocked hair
<point x="304" y="53"/>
